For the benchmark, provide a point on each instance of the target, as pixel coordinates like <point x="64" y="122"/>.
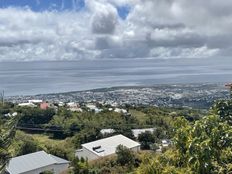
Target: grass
<point x="41" y="139"/>
<point x="45" y="139"/>
<point x="138" y="115"/>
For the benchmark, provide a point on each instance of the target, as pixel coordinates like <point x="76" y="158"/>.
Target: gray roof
<point x="58" y="159"/>
<point x="137" y="132"/>
<point x="32" y="161"/>
<point x="107" y="146"/>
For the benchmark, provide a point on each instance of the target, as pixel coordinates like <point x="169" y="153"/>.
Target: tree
<point x="203" y="147"/>
<point x="35" y="116"/>
<point x="80" y="166"/>
<point x="223" y="108"/>
<point x="28" y="146"/>
<point x="124" y="156"/>
<point x="146" y="139"/>
<point x="7" y="132"/>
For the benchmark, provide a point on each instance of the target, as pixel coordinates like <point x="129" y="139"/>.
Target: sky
<point x="54" y="30"/>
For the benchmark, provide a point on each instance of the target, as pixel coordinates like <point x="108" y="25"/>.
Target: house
<point x="118" y="110"/>
<point x="27" y="105"/>
<point x="107" y="131"/>
<point x="137" y="132"/>
<point x="166" y="143"/>
<point x="105" y="147"/>
<point x="14" y="114"/>
<point x="72" y="105"/>
<point x="35" y="101"/>
<point x="91" y="106"/>
<point x="94" y="108"/>
<point x="44" y="106"/>
<point x="35" y="163"/>
<point x="61" y="104"/>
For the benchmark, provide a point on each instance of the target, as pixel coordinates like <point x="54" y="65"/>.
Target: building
<point x="14" y="114"/>
<point x="118" y="110"/>
<point x="166" y="143"/>
<point x="107" y="131"/>
<point x="27" y="105"/>
<point x="105" y="147"/>
<point x="137" y="132"/>
<point x="35" y="101"/>
<point x="93" y="108"/>
<point x="44" y="106"/>
<point x="35" y="163"/>
<point x="74" y="107"/>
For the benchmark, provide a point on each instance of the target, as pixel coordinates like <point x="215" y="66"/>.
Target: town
<point x="84" y="132"/>
<point x="178" y="95"/>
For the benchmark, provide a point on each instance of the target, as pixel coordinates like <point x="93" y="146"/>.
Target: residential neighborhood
<point x="181" y="95"/>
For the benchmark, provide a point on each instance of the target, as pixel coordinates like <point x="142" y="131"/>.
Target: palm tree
<point x="7" y="132"/>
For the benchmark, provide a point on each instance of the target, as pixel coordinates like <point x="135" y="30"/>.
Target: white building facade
<point x="105" y="147"/>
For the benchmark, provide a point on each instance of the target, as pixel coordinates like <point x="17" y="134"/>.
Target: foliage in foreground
<point x="201" y="148"/>
<point x="7" y="132"/>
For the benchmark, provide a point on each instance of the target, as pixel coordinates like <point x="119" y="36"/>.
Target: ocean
<point x="29" y="78"/>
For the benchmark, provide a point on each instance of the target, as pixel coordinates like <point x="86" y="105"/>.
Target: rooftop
<point x="32" y="161"/>
<point x="107" y="146"/>
<point x="136" y="132"/>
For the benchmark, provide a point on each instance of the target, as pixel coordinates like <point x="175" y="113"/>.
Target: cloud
<point x="151" y="29"/>
<point x="104" y="21"/>
<point x="104" y="17"/>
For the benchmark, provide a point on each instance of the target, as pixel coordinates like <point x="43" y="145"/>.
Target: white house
<point x="105" y="147"/>
<point x="137" y="132"/>
<point x="35" y="101"/>
<point x="118" y="110"/>
<point x="166" y="143"/>
<point x="35" y="163"/>
<point x="94" y="108"/>
<point x="14" y="114"/>
<point x="27" y="105"/>
<point x="107" y="131"/>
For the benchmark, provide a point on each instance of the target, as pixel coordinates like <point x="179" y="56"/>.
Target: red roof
<point x="44" y="106"/>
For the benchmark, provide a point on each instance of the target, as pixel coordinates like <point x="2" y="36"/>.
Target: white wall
<point x="85" y="153"/>
<point x="59" y="168"/>
<point x="135" y="149"/>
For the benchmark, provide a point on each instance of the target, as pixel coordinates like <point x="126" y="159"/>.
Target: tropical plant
<point x="7" y="132"/>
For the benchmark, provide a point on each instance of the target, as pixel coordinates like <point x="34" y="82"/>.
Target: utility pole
<point x="229" y="86"/>
<point x="2" y="97"/>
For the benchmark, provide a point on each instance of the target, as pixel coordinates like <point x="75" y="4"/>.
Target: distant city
<point x="179" y="95"/>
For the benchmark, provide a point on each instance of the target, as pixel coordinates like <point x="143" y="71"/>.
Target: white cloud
<point x="153" y="28"/>
<point x="104" y="19"/>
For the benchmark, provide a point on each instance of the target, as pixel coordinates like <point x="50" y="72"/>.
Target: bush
<point x="124" y="156"/>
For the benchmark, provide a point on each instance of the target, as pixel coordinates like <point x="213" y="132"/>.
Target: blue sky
<point x="57" y="5"/>
<point x="41" y="5"/>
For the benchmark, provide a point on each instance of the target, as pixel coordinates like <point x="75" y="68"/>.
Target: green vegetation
<point x="147" y="139"/>
<point x="201" y="141"/>
<point x="124" y="156"/>
<point x="7" y="132"/>
<point x="202" y="147"/>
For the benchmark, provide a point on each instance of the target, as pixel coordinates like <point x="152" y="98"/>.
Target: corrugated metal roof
<point x="107" y="146"/>
<point x="32" y="161"/>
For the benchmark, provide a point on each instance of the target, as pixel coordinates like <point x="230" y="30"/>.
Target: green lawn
<point x="139" y="115"/>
